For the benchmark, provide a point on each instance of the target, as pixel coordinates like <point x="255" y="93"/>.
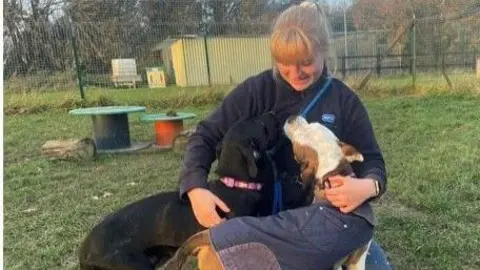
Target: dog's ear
<point x="307" y="173"/>
<point x="308" y="160"/>
<point x="265" y="131"/>
<point x="272" y="127"/>
<point x="218" y="151"/>
<point x="248" y="154"/>
<point x="350" y="153"/>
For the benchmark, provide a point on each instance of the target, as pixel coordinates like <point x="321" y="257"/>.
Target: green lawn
<point x="171" y="97"/>
<point x="429" y="219"/>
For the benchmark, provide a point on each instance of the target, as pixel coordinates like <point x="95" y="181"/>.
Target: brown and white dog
<point x="320" y="154"/>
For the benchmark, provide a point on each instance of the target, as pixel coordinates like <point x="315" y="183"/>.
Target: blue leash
<point x="319" y="95"/>
<point x="277" y="185"/>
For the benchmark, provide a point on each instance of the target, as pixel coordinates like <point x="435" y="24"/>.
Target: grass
<point x="20" y="102"/>
<point x="49" y="206"/>
<point x="425" y="84"/>
<point x="428" y="218"/>
<point x="171" y="97"/>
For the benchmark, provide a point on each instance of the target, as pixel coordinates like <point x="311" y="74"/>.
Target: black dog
<point x="146" y="233"/>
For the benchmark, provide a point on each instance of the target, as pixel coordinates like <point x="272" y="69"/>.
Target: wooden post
<point x="73" y="149"/>
<point x="444" y="72"/>
<point x="379" y="64"/>
<point x="366" y="78"/>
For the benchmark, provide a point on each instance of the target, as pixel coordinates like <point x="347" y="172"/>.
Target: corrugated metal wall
<point x="178" y="61"/>
<point x="196" y="62"/>
<point x="232" y="60"/>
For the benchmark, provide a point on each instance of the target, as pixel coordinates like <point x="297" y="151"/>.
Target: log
<point x="73" y="149"/>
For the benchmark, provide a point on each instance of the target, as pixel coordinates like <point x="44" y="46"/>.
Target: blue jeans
<point x="376" y="258"/>
<point x="312" y="237"/>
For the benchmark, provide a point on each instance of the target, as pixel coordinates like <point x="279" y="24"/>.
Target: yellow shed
<point x="198" y="61"/>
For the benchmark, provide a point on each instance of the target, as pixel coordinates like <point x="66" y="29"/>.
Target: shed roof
<point x="169" y="41"/>
<point x="164" y="44"/>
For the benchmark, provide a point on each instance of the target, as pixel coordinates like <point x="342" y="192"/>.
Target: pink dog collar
<point x="233" y="183"/>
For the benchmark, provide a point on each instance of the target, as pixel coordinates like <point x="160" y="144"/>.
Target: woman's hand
<point x="204" y="204"/>
<point x="348" y="193"/>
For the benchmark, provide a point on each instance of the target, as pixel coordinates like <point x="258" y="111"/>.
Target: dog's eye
<point x="254" y="144"/>
<point x="265" y="129"/>
<point x="256" y="153"/>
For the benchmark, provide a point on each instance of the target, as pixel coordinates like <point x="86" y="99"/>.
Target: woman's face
<point x="302" y="74"/>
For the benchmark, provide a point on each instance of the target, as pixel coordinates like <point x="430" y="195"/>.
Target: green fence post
<point x="76" y="58"/>
<point x="410" y="51"/>
<point x="414" y="51"/>
<point x="207" y="61"/>
<point x="463" y="45"/>
<point x="356" y="48"/>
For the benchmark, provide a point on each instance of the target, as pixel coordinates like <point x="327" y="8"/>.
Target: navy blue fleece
<point x="340" y="109"/>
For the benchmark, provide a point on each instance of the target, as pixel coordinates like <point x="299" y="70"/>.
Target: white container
<point x="124" y="72"/>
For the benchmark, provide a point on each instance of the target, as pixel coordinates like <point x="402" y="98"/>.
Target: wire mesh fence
<point x="210" y="42"/>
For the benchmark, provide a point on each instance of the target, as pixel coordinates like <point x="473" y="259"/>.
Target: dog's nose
<point x="291" y="119"/>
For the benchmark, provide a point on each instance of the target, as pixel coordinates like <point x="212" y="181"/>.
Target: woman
<point x="299" y="47"/>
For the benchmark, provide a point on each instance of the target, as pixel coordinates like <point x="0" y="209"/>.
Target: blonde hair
<point x="299" y="33"/>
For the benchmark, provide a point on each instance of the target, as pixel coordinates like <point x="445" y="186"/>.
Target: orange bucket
<point x="166" y="131"/>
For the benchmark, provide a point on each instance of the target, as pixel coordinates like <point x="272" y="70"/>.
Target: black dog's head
<point x="242" y="152"/>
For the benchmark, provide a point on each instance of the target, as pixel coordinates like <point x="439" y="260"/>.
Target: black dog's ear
<point x="218" y="151"/>
<point x="272" y="128"/>
<point x="250" y="158"/>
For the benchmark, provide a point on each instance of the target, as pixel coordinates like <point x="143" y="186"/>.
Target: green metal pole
<point x="345" y="31"/>
<point x="410" y="51"/>
<point x="414" y="51"/>
<point x="356" y="48"/>
<point x="75" y="55"/>
<point x="207" y="61"/>
<point x="463" y="45"/>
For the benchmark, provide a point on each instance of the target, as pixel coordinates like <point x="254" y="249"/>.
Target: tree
<point x="34" y="36"/>
<point x="237" y="17"/>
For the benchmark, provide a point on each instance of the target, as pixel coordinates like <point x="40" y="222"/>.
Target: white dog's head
<point x="318" y="151"/>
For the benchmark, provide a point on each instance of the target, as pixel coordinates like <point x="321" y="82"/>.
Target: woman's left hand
<point x="347" y="193"/>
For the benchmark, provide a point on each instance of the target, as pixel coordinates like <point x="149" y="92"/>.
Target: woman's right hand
<point x="204" y="204"/>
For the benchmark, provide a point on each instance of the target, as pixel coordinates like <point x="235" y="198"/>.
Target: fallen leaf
<point x="30" y="210"/>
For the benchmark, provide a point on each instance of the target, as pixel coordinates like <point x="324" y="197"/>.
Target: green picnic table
<point x="110" y="127"/>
